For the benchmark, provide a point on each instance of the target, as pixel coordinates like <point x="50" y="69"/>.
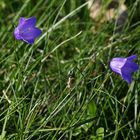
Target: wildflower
<point x="124" y="67"/>
<point x="26" y="30"/>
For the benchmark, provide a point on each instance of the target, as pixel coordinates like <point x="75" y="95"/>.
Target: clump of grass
<point x="36" y="102"/>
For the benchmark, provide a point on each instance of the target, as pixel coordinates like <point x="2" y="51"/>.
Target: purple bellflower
<point x="124" y="67"/>
<point x="26" y="30"/>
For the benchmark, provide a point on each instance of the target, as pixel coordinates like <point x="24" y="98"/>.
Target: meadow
<point x="61" y="87"/>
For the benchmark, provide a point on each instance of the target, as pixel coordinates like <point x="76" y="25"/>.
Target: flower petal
<point x="117" y="63"/>
<point x="30" y="22"/>
<point x="30" y="35"/>
<point x="132" y="57"/>
<point x="130" y="67"/>
<point x="29" y="41"/>
<point x="22" y="20"/>
<point x="127" y="69"/>
<point x="127" y="76"/>
<point x="26" y="23"/>
<point x="17" y="35"/>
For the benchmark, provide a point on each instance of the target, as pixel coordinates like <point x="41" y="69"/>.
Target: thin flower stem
<point x="136" y="110"/>
<point x="60" y="45"/>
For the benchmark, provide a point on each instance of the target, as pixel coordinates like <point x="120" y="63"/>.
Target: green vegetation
<point x="61" y="87"/>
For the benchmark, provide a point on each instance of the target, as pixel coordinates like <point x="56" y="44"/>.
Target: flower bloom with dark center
<point x="26" y="30"/>
<point x="124" y="67"/>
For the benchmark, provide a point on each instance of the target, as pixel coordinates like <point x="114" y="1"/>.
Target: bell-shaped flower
<point x="27" y="30"/>
<point x="124" y="67"/>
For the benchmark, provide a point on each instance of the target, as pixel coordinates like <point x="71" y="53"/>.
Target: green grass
<point x="36" y="103"/>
